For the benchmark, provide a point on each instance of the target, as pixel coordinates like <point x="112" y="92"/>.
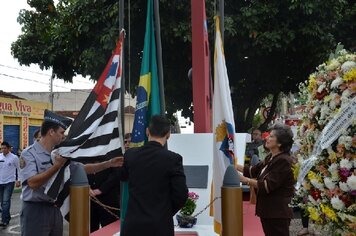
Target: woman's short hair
<point x="284" y="136"/>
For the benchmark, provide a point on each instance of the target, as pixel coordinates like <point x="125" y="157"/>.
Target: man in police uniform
<point x="39" y="214"/>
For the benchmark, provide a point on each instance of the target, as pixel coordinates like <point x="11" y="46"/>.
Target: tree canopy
<point x="270" y="46"/>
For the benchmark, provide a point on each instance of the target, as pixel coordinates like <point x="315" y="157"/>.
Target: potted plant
<point x="185" y="217"/>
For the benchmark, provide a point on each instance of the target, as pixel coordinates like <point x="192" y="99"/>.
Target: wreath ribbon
<point x="330" y="133"/>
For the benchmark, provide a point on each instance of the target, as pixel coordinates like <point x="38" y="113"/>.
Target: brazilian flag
<point x="148" y="96"/>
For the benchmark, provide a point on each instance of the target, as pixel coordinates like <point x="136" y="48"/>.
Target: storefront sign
<point x="24" y="108"/>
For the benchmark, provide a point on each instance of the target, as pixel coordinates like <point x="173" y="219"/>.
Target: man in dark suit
<point x="104" y="186"/>
<point x="157" y="185"/>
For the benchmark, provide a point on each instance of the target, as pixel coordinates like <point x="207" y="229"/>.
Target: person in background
<point x="252" y="148"/>
<point x="256" y="136"/>
<point x="105" y="187"/>
<point x="127" y="141"/>
<point x="37" y="135"/>
<point x="263" y="151"/>
<point x="9" y="164"/>
<point x="156" y="182"/>
<point x="274" y="182"/>
<point x="39" y="215"/>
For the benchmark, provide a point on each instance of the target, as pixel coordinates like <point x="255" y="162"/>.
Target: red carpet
<point x="252" y="224"/>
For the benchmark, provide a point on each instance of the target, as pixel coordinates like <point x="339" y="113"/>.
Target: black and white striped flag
<point x="96" y="132"/>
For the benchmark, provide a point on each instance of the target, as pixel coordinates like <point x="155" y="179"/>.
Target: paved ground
<point x="14" y="228"/>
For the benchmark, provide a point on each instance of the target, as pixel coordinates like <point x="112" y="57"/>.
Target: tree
<point x="270" y="46"/>
<point x="277" y="45"/>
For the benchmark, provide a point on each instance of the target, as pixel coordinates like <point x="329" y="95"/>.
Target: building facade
<point x="69" y="103"/>
<point x="19" y="119"/>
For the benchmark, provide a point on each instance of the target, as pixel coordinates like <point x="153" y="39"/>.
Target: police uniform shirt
<point x="8" y="166"/>
<point x="34" y="160"/>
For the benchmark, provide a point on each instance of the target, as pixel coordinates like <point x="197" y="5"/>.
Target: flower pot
<point x="185" y="221"/>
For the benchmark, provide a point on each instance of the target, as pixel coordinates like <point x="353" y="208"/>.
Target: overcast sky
<point x="16" y="78"/>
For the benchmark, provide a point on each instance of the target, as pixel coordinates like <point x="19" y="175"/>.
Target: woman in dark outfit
<point x="274" y="182"/>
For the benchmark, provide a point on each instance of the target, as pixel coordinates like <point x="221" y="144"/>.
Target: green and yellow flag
<point x="148" y="95"/>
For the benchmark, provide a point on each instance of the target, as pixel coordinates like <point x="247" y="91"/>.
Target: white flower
<point x="317" y="184"/>
<point x="329" y="183"/>
<point x="346" y="140"/>
<point x="350" y="57"/>
<point x="337" y="203"/>
<point x="342" y="52"/>
<point x="333" y="167"/>
<point x="344" y="187"/>
<point x="332" y="105"/>
<point x="344" y="163"/>
<point x="321" y="87"/>
<point x="335" y="176"/>
<point x="346" y="217"/>
<point x="316" y="109"/>
<point x="346" y="94"/>
<point x="325" y="110"/>
<point x="332" y="65"/>
<point x="348" y="66"/>
<point x="351" y="182"/>
<point x="321" y="67"/>
<point x="336" y="82"/>
<point x="345" y="97"/>
<point x="312" y="201"/>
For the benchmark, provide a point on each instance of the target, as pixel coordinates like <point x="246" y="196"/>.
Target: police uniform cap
<point x="58" y="119"/>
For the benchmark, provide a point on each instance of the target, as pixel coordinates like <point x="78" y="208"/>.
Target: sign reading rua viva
<point x="18" y="107"/>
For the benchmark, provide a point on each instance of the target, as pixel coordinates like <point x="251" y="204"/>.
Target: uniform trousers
<point x="275" y="226"/>
<point x="41" y="219"/>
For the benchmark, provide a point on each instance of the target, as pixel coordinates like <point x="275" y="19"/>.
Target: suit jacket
<point x="275" y="182"/>
<point x="157" y="190"/>
<point x="107" y="181"/>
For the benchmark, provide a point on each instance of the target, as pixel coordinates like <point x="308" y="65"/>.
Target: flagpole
<point x="222" y="16"/>
<point x="159" y="56"/>
<point x="122" y="94"/>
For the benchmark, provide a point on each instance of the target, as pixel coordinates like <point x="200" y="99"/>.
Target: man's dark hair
<point x="6" y="144"/>
<point x="256" y="129"/>
<point x="35" y="134"/>
<point x="47" y="125"/>
<point x="284" y="136"/>
<point x="159" y="126"/>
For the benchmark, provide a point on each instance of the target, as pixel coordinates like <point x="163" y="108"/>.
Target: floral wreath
<point x="328" y="192"/>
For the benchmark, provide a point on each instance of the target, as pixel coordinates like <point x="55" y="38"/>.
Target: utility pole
<point x="51" y="96"/>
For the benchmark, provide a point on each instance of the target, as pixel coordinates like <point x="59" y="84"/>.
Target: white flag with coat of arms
<point x="223" y="126"/>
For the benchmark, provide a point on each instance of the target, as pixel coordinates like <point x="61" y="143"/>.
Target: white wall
<point x="197" y="149"/>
